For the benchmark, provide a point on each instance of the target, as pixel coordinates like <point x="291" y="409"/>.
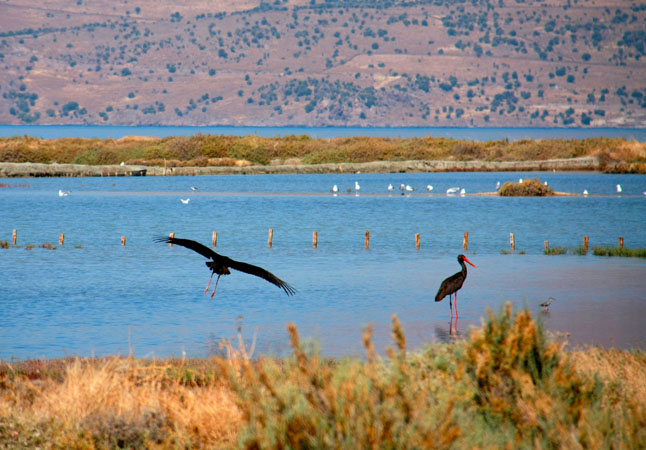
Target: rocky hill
<point x="324" y="62"/>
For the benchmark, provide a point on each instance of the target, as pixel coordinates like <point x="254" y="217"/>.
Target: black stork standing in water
<point x="452" y="284"/>
<point x="221" y="264"/>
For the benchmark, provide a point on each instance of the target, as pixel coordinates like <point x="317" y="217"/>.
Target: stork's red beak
<point x="466" y="260"/>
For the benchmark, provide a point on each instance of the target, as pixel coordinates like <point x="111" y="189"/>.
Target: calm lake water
<point x="476" y="134"/>
<point x="148" y="298"/>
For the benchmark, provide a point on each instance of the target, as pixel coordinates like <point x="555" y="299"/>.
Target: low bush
<point x="556" y="250"/>
<point x="526" y="188"/>
<point x="619" y="251"/>
<point x="505" y="386"/>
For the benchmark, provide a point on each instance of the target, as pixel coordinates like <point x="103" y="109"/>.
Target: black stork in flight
<point x="452" y="284"/>
<point x="221" y="264"/>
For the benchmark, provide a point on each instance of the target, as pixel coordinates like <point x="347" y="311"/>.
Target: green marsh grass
<point x="556" y="250"/>
<point x="619" y="251"/>
<point x="580" y="250"/>
<point x="505" y="386"/>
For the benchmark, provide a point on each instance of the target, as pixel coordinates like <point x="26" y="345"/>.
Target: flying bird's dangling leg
<point x="209" y="284"/>
<point x="216" y="285"/>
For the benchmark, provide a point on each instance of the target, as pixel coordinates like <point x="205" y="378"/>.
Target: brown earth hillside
<point x="319" y="63"/>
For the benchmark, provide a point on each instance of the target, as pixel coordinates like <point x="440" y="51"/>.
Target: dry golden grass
<point x="121" y="400"/>
<point x="527" y="188"/>
<point x="615" y="154"/>
<point x="506" y="386"/>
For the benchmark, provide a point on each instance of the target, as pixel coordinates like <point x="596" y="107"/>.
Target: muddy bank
<point x="12" y="170"/>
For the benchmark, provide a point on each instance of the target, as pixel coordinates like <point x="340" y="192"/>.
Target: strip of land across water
<point x="220" y="155"/>
<point x="24" y="170"/>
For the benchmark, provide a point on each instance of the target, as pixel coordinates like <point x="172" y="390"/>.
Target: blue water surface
<point x="93" y="296"/>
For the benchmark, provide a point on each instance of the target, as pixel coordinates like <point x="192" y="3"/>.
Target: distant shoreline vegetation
<point x="616" y="155"/>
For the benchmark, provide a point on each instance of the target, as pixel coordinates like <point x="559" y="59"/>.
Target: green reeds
<point x="619" y="251"/>
<point x="556" y="250"/>
<point x="580" y="250"/>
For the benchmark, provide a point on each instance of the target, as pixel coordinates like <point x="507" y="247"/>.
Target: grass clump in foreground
<point x="619" y="251"/>
<point x="506" y="385"/>
<point x="528" y="188"/>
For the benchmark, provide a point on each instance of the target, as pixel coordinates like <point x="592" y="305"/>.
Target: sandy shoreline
<point x="26" y="170"/>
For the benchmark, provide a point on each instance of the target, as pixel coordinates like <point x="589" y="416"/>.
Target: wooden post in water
<point x="14" y="237"/>
<point x="315" y="239"/>
<point x="61" y="239"/>
<point x="547" y="246"/>
<point x="172" y="235"/>
<point x="214" y="239"/>
<point x="367" y="239"/>
<point x="417" y="241"/>
<point x="621" y="242"/>
<point x="585" y="243"/>
<point x="465" y="240"/>
<point x="512" y="242"/>
<point x="123" y="241"/>
<point x="270" y="239"/>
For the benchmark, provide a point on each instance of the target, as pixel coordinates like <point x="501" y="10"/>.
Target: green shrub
<point x="619" y="251"/>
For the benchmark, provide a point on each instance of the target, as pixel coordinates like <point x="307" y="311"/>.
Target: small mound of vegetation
<point x="4" y="244"/>
<point x="557" y="250"/>
<point x="619" y="251"/>
<point x="580" y="250"/>
<point x="528" y="188"/>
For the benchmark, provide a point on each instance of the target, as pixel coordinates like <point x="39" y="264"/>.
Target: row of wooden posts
<point x="465" y="240"/>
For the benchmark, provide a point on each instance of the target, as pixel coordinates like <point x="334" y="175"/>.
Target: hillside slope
<point x="319" y="63"/>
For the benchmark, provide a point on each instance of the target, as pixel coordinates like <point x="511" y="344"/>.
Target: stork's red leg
<point x="456" y="304"/>
<point x="209" y="284"/>
<point x="451" y="304"/>
<point x="216" y="285"/>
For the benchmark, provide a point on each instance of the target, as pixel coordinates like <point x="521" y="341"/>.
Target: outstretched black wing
<point x="193" y="245"/>
<point x="259" y="272"/>
<point x="228" y="262"/>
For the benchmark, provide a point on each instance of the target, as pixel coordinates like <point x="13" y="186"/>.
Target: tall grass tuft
<point x="556" y="250"/>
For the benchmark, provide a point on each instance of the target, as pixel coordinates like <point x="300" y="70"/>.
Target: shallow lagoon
<point x="147" y="298"/>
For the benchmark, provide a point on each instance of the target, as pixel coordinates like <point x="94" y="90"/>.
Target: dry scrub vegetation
<point x="616" y="154"/>
<point x="527" y="188"/>
<point x="506" y="386"/>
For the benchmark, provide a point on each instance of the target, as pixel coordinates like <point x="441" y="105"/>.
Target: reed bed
<point x="506" y="386"/>
<point x="556" y="250"/>
<point x="615" y="154"/>
<point x="619" y="251"/>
